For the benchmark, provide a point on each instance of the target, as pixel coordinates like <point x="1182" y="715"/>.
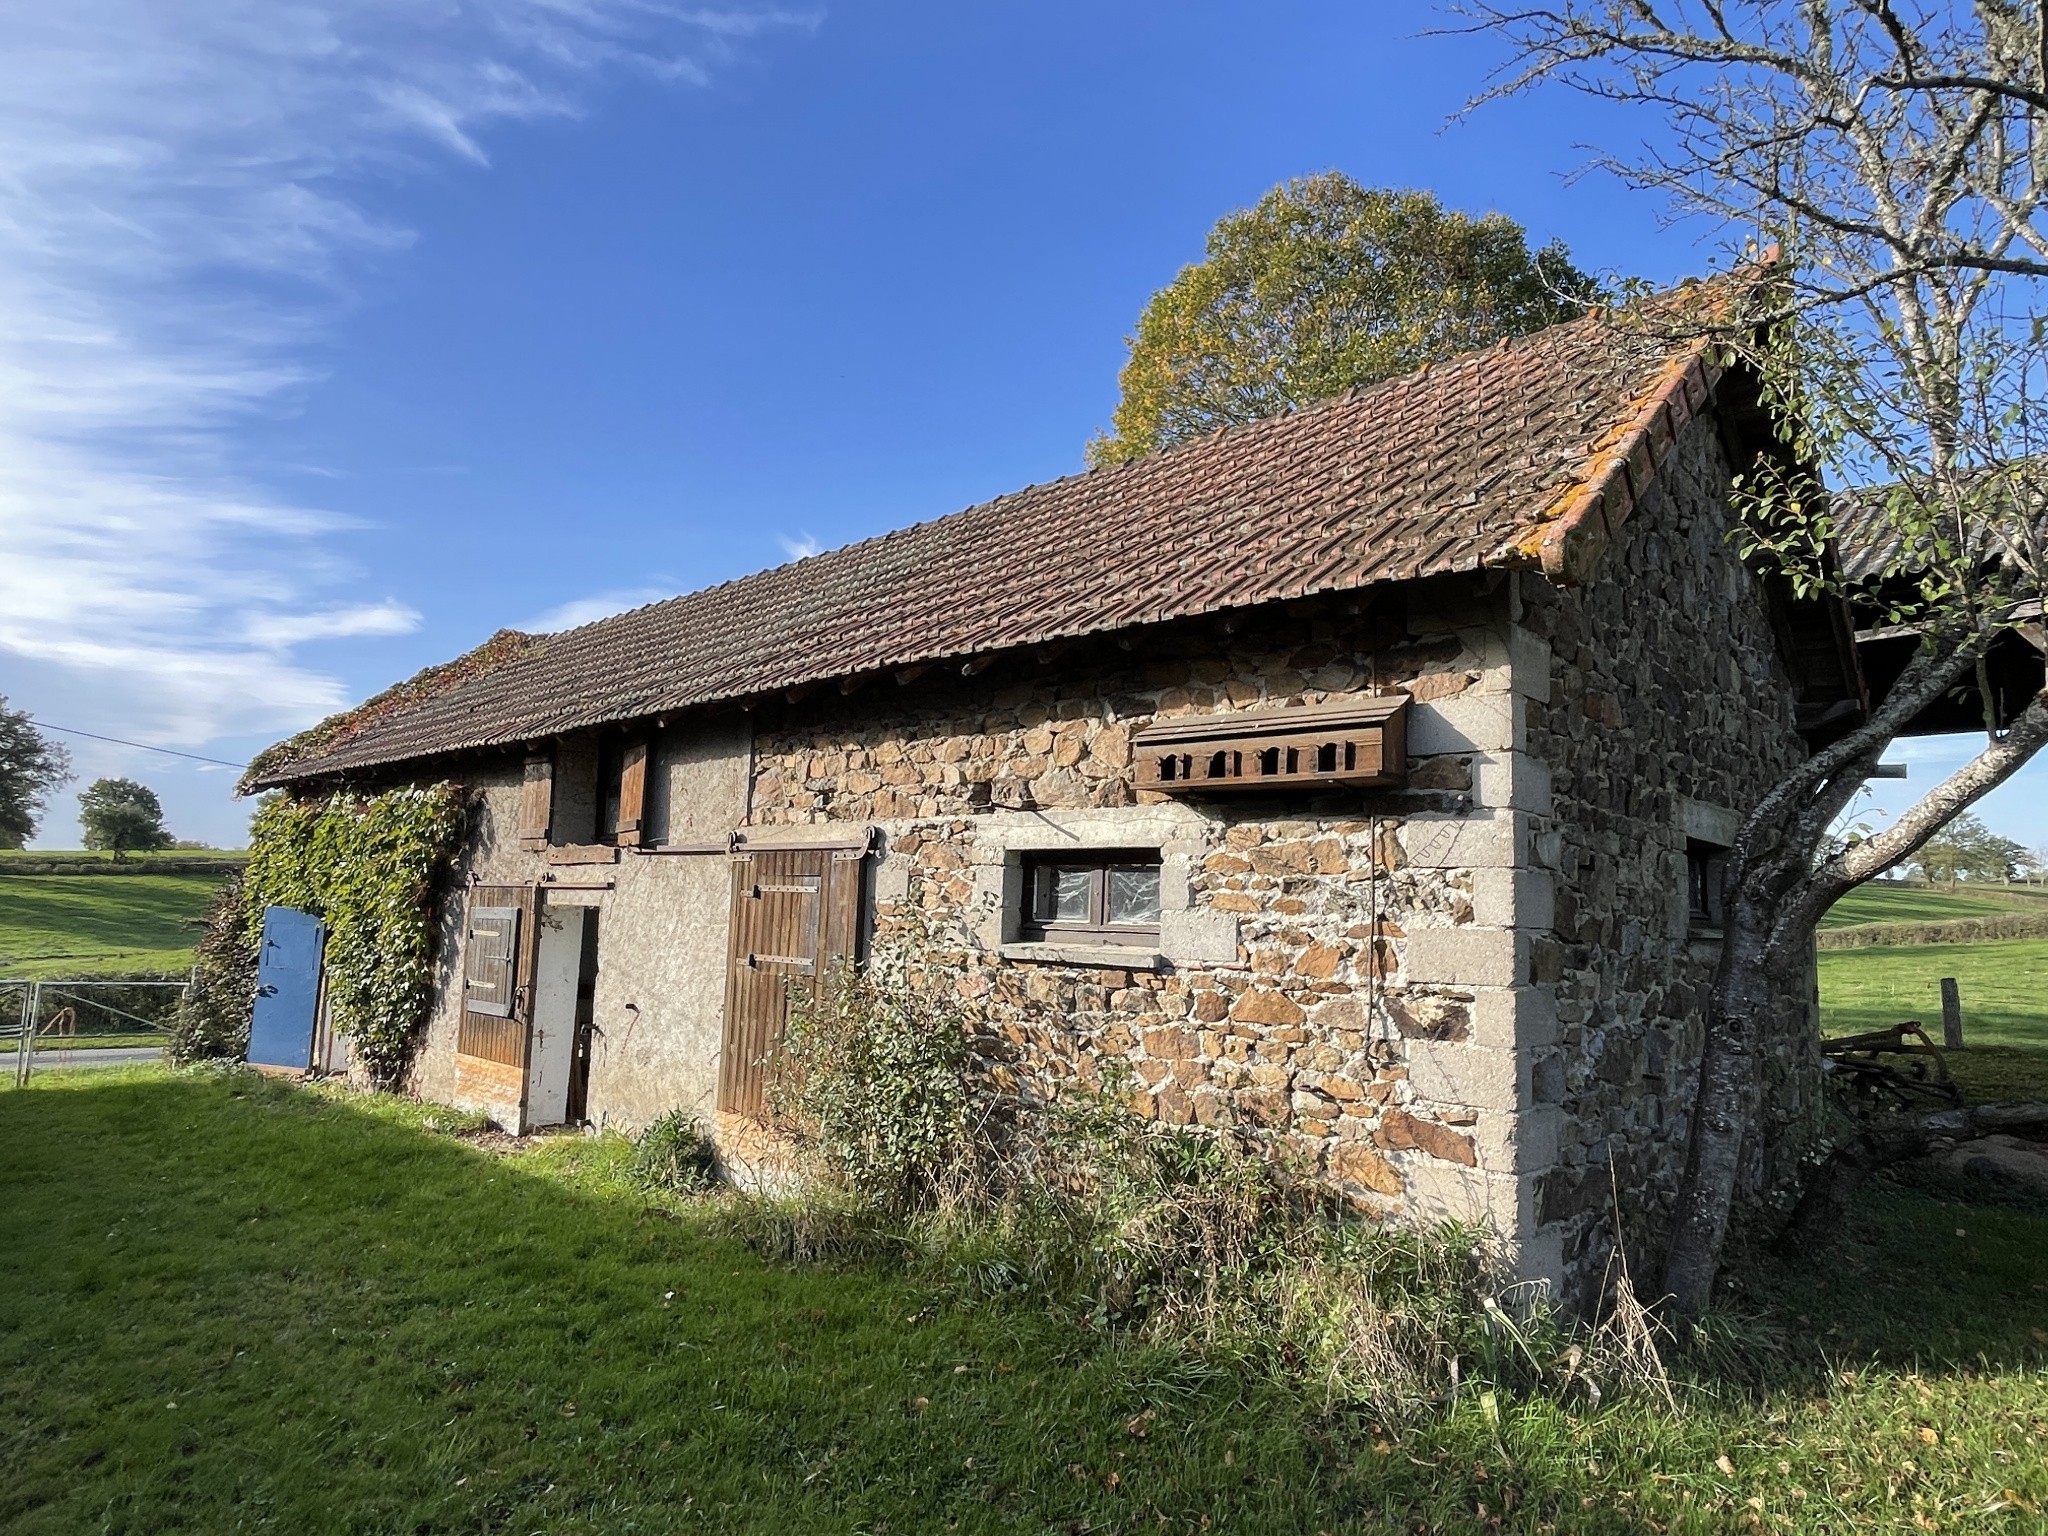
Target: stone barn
<point x="1360" y="774"/>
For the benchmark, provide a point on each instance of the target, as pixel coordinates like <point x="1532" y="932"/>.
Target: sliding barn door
<point x="794" y="912"/>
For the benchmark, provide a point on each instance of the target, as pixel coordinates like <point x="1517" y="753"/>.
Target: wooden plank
<point x="583" y="853"/>
<point x="1361" y="744"/>
<point x="845" y="894"/>
<point x="1951" y="1014"/>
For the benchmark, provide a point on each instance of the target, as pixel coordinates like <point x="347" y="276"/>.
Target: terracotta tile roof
<point x="1870" y="540"/>
<point x="1525" y="454"/>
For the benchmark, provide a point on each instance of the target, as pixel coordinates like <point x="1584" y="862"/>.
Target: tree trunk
<point x="1740" y="1000"/>
<point x="1825" y="1204"/>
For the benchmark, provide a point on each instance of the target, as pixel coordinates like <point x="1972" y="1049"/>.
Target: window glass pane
<point x="1133" y="896"/>
<point x="1061" y="895"/>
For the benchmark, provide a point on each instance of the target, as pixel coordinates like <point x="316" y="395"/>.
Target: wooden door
<point x="497" y="975"/>
<point x="794" y="912"/>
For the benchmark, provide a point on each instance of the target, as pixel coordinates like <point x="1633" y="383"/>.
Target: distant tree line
<point x="1966" y="849"/>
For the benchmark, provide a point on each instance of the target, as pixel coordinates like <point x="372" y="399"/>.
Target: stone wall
<point x="1669" y="711"/>
<point x="1315" y="947"/>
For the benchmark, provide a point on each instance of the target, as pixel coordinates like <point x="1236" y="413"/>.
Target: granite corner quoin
<point x="1466" y="984"/>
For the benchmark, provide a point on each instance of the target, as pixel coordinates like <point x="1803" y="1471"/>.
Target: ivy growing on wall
<point x="369" y="866"/>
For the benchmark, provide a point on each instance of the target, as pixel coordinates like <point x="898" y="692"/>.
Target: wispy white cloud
<point x="176" y="232"/>
<point x="278" y="630"/>
<point x="588" y="610"/>
<point x="801" y="548"/>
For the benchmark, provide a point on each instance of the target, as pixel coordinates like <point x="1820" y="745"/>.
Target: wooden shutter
<point x="490" y="961"/>
<point x="632" y="795"/>
<point x="497" y="974"/>
<point x="794" y="913"/>
<point x="537" y="801"/>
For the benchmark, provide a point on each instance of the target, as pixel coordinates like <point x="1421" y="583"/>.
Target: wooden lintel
<point x="583" y="853"/>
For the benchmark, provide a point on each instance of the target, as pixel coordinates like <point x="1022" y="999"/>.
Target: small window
<point x="1706" y="876"/>
<point x="1105" y="898"/>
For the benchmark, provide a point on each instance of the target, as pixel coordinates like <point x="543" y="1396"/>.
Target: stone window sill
<point x="1104" y="957"/>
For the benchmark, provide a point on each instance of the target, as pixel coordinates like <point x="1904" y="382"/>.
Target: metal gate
<point x="62" y="1023"/>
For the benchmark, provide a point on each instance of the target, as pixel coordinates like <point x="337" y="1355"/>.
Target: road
<point x="113" y="1056"/>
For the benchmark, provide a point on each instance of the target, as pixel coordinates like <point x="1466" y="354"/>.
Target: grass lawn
<point x="54" y="926"/>
<point x="230" y="1305"/>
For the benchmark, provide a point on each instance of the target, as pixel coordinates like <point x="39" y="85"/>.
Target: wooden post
<point x="1951" y="1014"/>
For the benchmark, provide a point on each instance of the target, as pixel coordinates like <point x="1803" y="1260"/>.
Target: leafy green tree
<point x="31" y="765"/>
<point x="1966" y="849"/>
<point x="1323" y="286"/>
<point x="122" y="815"/>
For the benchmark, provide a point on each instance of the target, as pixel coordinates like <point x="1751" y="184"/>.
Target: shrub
<point x="870" y="1084"/>
<point x="674" y="1154"/>
<point x="1961" y="930"/>
<point x="212" y="1023"/>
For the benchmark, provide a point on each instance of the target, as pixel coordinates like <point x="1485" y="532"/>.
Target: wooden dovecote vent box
<point x="1361" y="743"/>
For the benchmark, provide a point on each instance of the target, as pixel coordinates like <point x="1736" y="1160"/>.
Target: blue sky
<point x="344" y="332"/>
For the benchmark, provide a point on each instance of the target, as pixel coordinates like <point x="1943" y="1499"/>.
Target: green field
<point x="54" y="926"/>
<point x="230" y="1305"/>
<point x="2004" y="987"/>
<point x="1924" y="904"/>
<point x="2004" y="990"/>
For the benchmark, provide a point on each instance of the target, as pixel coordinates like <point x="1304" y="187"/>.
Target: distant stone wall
<point x="1668" y="710"/>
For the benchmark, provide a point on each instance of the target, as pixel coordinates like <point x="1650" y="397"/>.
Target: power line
<point x="71" y="730"/>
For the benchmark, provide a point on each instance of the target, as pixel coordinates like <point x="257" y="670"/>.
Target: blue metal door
<point x="287" y="989"/>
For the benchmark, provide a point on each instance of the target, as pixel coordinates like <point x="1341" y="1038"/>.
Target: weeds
<point x="674" y="1155"/>
<point x="1204" y="1242"/>
<point x="212" y="1023"/>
